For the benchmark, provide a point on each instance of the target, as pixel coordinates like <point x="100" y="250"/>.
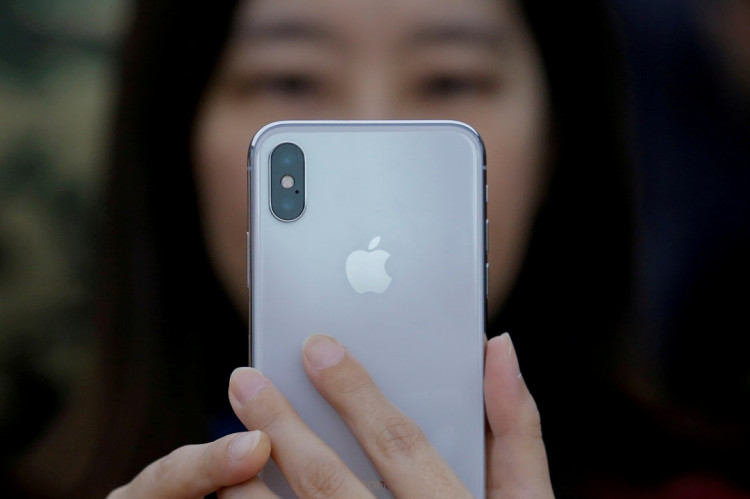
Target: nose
<point x="374" y="96"/>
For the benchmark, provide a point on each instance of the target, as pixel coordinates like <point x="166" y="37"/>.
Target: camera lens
<point x="289" y="155"/>
<point x="287" y="182"/>
<point x="287" y="207"/>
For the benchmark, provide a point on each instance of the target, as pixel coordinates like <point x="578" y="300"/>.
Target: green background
<point x="56" y="87"/>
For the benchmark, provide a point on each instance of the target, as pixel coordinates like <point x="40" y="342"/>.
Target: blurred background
<point x="689" y="65"/>
<point x="690" y="103"/>
<point x="56" y="84"/>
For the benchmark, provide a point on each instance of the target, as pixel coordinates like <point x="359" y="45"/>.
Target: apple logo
<point x="366" y="269"/>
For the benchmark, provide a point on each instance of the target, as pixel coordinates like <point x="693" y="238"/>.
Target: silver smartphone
<point x="374" y="232"/>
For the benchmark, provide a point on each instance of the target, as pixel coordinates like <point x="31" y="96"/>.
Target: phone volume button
<point x="247" y="263"/>
<point x="487" y="279"/>
<point x="487" y="235"/>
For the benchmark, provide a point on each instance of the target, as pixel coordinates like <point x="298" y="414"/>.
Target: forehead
<point x="377" y="19"/>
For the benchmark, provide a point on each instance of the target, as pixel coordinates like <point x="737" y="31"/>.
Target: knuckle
<point x="268" y="415"/>
<point x="350" y="383"/>
<point x="252" y="488"/>
<point x="400" y="437"/>
<point x="440" y="483"/>
<point x="165" y="472"/>
<point x="321" y="477"/>
<point x="166" y="465"/>
<point x="162" y="471"/>
<point x="533" y="427"/>
<point x="118" y="493"/>
<point x="272" y="420"/>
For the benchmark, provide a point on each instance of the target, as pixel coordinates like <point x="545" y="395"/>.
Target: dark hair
<point x="170" y="330"/>
<point x="574" y="297"/>
<point x="169" y="333"/>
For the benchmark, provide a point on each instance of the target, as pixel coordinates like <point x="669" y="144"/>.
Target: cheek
<point x="516" y="162"/>
<point x="220" y="153"/>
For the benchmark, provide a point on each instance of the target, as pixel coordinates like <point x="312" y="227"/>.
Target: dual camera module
<point x="287" y="182"/>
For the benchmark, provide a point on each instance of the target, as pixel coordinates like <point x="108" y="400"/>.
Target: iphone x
<point x="374" y="232"/>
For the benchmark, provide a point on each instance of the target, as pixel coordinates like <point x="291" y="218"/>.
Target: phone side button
<point x="487" y="235"/>
<point x="247" y="263"/>
<point x="487" y="279"/>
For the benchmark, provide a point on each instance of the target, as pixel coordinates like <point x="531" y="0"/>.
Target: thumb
<point x="516" y="458"/>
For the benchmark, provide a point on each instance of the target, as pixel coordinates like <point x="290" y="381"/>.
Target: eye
<point x="289" y="85"/>
<point x="450" y="86"/>
<point x="278" y="85"/>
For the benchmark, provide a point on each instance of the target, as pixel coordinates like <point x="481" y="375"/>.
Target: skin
<point x="516" y="458"/>
<point x="469" y="60"/>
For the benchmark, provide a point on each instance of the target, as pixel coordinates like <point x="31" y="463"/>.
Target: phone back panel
<point x="416" y="191"/>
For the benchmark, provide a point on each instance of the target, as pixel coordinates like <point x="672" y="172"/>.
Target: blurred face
<point x="467" y="60"/>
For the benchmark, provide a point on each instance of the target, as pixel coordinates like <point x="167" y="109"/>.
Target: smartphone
<point x="374" y="232"/>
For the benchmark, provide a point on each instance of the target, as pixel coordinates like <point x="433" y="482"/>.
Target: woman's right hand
<point x="198" y="470"/>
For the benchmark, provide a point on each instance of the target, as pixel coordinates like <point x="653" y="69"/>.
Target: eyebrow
<point x="450" y="33"/>
<point x="290" y="30"/>
<point x="284" y="30"/>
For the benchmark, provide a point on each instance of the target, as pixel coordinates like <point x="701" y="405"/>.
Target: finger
<point x="309" y="465"/>
<point x="254" y="488"/>
<point x="395" y="444"/>
<point x="516" y="458"/>
<point x="197" y="470"/>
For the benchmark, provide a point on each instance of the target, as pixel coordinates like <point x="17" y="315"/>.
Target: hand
<point x="516" y="459"/>
<point x="197" y="470"/>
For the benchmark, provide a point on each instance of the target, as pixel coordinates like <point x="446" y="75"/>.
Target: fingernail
<point x="323" y="351"/>
<point x="506" y="338"/>
<point x="243" y="445"/>
<point x="247" y="384"/>
<point x="510" y="343"/>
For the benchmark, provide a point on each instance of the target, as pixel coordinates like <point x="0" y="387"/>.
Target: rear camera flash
<point x="287" y="181"/>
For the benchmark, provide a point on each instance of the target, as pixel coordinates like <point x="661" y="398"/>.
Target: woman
<point x="198" y="82"/>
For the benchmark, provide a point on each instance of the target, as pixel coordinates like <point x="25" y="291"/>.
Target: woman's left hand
<point x="516" y="459"/>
